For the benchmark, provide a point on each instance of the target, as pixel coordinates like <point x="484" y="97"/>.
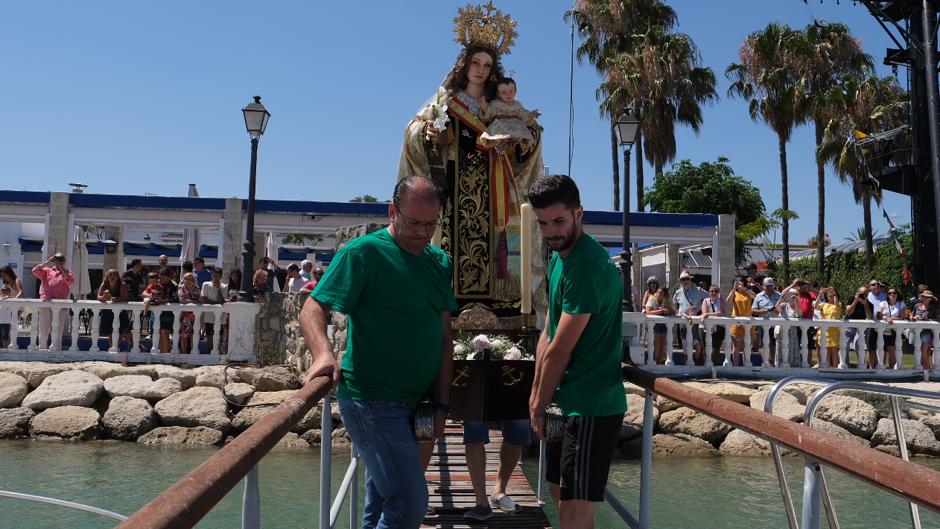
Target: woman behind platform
<point x="234" y="284"/>
<point x="713" y="306"/>
<point x="188" y="294"/>
<point x="655" y="303"/>
<point x="789" y="307"/>
<point x="9" y="279"/>
<point x="891" y="310"/>
<point x="741" y="300"/>
<point x="111" y="289"/>
<point x="830" y="308"/>
<point x="214" y="292"/>
<point x="926" y="310"/>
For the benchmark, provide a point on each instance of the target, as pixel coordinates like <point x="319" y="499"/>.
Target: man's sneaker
<point x="479" y="513"/>
<point x="505" y="504"/>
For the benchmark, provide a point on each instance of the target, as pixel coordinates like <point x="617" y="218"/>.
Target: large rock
<point x="69" y="388"/>
<point x="106" y="370"/>
<point x="672" y="445"/>
<point x="310" y="421"/>
<point x="691" y="422"/>
<point x="186" y="377"/>
<point x="856" y="416"/>
<point x="246" y="417"/>
<point x="12" y="390"/>
<point x="930" y="419"/>
<point x="920" y="438"/>
<point x="739" y="392"/>
<point x="838" y="431"/>
<point x="633" y="419"/>
<point x="128" y="418"/>
<point x="14" y="422"/>
<point x="341" y="437"/>
<point x="216" y="376"/>
<point x="34" y="372"/>
<point x="69" y="422"/>
<point x="786" y="405"/>
<point x="292" y="441"/>
<point x="312" y="436"/>
<point x="179" y="436"/>
<point x="198" y="406"/>
<point x="271" y="378"/>
<point x="141" y="387"/>
<point x="273" y="398"/>
<point x="238" y="392"/>
<point x="741" y="443"/>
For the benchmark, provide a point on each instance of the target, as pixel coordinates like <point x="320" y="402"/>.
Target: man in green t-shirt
<point x="577" y="361"/>
<point x="395" y="290"/>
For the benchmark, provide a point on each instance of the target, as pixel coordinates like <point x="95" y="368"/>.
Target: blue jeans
<point x="396" y="492"/>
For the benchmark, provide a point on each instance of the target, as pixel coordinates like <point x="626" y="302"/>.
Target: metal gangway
<point x="187" y="501"/>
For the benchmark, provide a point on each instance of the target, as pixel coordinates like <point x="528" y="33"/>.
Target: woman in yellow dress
<point x="740" y="299"/>
<point x="830" y="308"/>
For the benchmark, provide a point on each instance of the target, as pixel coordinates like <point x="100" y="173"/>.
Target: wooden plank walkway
<point x="451" y="494"/>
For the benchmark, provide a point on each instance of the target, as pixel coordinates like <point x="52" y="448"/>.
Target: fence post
<point x="326" y="461"/>
<point x="646" y="461"/>
<point x="251" y="501"/>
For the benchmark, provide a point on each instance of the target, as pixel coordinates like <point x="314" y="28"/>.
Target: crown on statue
<point x="484" y="25"/>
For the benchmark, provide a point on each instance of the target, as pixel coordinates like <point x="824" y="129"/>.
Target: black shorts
<point x="580" y="462"/>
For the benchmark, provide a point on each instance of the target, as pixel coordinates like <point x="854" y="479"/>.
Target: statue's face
<point x="506" y="92"/>
<point x="480" y="66"/>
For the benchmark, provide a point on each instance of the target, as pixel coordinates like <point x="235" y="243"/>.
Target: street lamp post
<point x="626" y="127"/>
<point x="256" y="120"/>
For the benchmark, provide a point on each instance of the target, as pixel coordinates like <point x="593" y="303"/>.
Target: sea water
<point x="703" y="493"/>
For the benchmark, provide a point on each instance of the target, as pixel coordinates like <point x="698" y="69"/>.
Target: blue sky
<point x="145" y="97"/>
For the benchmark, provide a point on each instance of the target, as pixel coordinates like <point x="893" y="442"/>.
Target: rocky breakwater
<point x="861" y="418"/>
<point x="153" y="405"/>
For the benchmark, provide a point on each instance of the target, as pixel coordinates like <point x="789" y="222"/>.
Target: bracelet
<point x="440" y="406"/>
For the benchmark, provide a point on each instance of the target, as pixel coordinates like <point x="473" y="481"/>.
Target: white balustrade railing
<point x="75" y="332"/>
<point x="789" y="337"/>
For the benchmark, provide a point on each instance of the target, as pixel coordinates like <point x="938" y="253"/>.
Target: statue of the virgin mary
<point x="484" y="185"/>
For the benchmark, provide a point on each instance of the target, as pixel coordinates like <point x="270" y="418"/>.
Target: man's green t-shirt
<point x="586" y="281"/>
<point x="394" y="301"/>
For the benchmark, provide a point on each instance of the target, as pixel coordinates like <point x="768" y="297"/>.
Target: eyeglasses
<point x="684" y="279"/>
<point x="415" y="224"/>
<point x="713" y="291"/>
<point x="892" y="293"/>
<point x="872" y="284"/>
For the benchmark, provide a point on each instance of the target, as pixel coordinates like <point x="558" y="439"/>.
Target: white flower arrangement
<point x="467" y="347"/>
<point x="439" y="110"/>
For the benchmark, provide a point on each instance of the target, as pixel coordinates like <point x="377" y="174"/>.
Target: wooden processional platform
<point x="451" y="494"/>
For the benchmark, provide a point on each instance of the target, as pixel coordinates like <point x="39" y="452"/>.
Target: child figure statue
<point x="508" y="121"/>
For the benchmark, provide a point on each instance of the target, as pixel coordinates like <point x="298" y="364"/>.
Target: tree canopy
<point x="710" y="187"/>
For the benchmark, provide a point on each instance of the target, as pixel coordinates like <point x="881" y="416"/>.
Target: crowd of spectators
<point x="192" y="284"/>
<point x="762" y="297"/>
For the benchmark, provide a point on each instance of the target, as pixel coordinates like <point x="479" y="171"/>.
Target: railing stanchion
<point x="810" y="494"/>
<point x="354" y="491"/>
<point x="646" y="461"/>
<point x="543" y="446"/>
<point x="902" y="446"/>
<point x="251" y="501"/>
<point x="326" y="461"/>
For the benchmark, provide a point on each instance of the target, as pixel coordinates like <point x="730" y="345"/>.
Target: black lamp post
<point x="256" y="120"/>
<point x="626" y="127"/>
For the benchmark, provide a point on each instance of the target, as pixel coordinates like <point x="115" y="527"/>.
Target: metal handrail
<point x="185" y="503"/>
<point x="908" y="480"/>
<point x="814" y="474"/>
<point x="329" y="513"/>
<point x="63" y="503"/>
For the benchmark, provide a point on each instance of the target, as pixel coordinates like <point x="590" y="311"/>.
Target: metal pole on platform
<point x="626" y="128"/>
<point x="251" y="501"/>
<point x="930" y="72"/>
<point x="326" y="461"/>
<point x="646" y="462"/>
<point x="354" y="491"/>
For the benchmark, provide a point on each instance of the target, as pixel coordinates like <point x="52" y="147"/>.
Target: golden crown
<point x="484" y="25"/>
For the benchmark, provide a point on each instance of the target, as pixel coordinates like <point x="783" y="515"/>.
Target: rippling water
<point x="687" y="493"/>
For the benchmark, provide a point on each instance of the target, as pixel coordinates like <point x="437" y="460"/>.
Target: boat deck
<point x="451" y="494"/>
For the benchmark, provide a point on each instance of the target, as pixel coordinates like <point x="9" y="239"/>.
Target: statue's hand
<point x="534" y="114"/>
<point x="431" y="133"/>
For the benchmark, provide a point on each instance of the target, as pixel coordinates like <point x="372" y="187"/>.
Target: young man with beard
<point x="578" y="355"/>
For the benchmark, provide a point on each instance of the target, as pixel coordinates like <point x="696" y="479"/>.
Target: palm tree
<point x="869" y="106"/>
<point x="662" y="81"/>
<point x="831" y="55"/>
<point x="607" y="28"/>
<point x="775" y="95"/>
